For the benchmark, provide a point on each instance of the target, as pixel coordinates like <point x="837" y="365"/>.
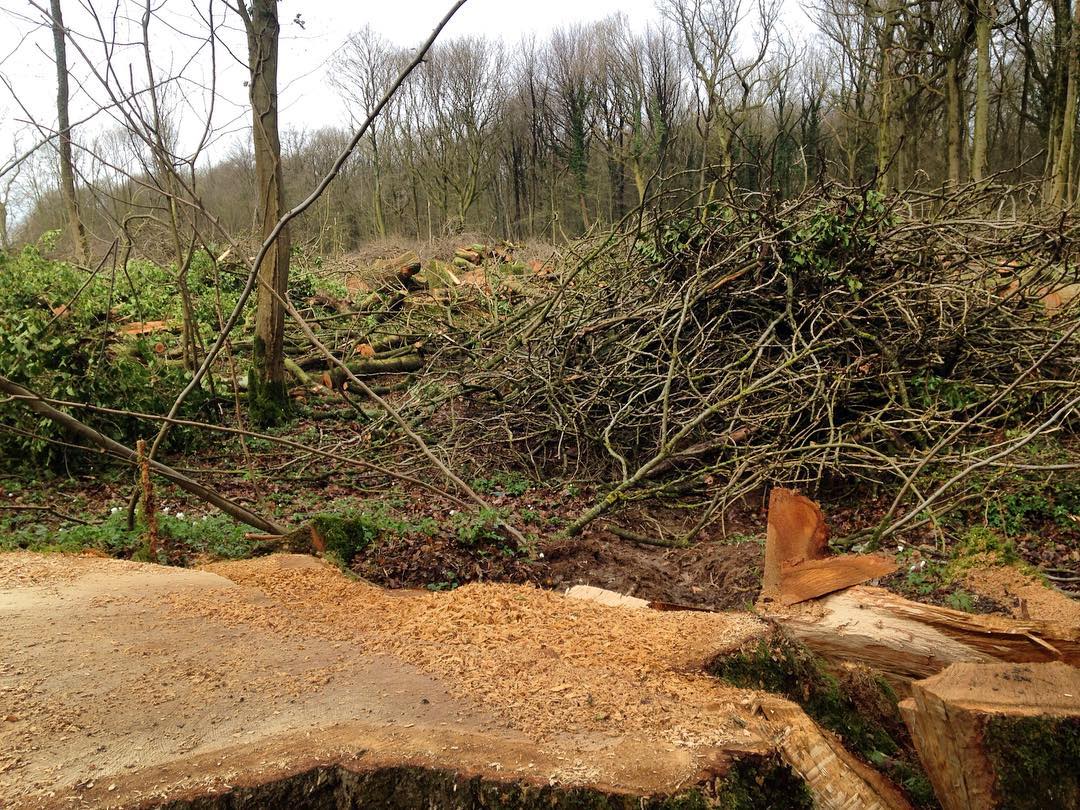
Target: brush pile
<point x="839" y="334"/>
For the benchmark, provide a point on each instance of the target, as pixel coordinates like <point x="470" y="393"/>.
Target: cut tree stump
<point x="999" y="735"/>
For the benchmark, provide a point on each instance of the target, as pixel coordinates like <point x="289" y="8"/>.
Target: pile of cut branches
<point x="836" y="335"/>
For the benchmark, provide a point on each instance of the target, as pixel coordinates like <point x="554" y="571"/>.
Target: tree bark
<point x="1063" y="161"/>
<point x="982" y="90"/>
<point x="67" y="168"/>
<point x="953" y="94"/>
<point x="267" y="394"/>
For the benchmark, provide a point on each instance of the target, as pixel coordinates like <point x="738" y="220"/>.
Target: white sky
<point x="308" y="99"/>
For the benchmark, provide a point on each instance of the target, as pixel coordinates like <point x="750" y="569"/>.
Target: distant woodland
<point x="547" y="138"/>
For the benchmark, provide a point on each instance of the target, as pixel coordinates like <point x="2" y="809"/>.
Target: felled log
<point x="872" y="626"/>
<point x="373" y="366"/>
<point x="394" y="272"/>
<point x="331" y="302"/>
<point x="470" y="255"/>
<point x="999" y="735"/>
<point x="907" y="640"/>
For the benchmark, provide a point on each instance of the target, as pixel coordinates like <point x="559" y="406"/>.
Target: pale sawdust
<point x="27" y="569"/>
<point x="1024" y="595"/>
<point x="547" y="664"/>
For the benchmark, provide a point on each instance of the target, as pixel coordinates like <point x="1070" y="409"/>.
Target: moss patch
<point x="762" y="783"/>
<point x="1037" y="761"/>
<point x="855" y="704"/>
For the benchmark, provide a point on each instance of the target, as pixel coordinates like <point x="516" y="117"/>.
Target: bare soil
<point x="714" y="575"/>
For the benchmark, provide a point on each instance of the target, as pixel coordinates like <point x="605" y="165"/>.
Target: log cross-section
<point x="964" y="724"/>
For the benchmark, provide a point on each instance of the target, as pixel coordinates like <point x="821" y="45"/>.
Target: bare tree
<point x="67" y="171"/>
<point x="268" y="398"/>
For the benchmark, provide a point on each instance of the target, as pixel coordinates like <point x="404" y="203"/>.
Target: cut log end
<point x="999" y="735"/>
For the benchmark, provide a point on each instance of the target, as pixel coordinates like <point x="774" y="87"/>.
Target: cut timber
<point x="373" y="366"/>
<point x="815" y="578"/>
<point x="394" y="272"/>
<point x="602" y="596"/>
<point x="796" y="533"/>
<point x="996" y="735"/>
<point x="907" y="640"/>
<point x="797" y="562"/>
<point x="836" y="779"/>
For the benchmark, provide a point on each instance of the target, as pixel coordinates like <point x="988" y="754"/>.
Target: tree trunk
<point x="887" y="93"/>
<point x="999" y="735"/>
<point x="1062" y="163"/>
<point x="953" y="92"/>
<point x="982" y="91"/>
<point x="67" y="169"/>
<point x="376" y="194"/>
<point x="267" y="394"/>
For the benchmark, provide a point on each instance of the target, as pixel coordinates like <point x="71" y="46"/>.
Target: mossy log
<point x="999" y="735"/>
<point x="373" y="366"/>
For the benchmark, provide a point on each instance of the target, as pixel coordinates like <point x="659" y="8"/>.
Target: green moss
<point x="858" y="706"/>
<point x="755" y="783"/>
<point x="268" y="400"/>
<point x="347" y="534"/>
<point x="1037" y="761"/>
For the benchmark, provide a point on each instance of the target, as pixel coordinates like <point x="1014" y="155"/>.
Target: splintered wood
<point x="906" y="640"/>
<point x="797" y="562"/>
<point x="834" y="777"/>
<point x="948" y="715"/>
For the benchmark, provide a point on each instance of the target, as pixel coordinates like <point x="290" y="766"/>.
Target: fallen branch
<point x="114" y="448"/>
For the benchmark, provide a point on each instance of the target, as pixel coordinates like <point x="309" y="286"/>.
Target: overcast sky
<point x="308" y="99"/>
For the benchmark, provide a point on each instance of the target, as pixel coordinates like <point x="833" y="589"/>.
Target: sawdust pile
<point x="545" y="663"/>
<point x="1024" y="595"/>
<point x="25" y="569"/>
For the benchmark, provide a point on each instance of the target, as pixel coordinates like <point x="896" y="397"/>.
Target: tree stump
<point x="999" y="735"/>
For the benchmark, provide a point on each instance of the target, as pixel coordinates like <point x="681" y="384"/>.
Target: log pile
<point x="987" y="696"/>
<point x="403" y="307"/>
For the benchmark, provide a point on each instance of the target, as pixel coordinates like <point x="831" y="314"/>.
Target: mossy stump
<point x="999" y="735"/>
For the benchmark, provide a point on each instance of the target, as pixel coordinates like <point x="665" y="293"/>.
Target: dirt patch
<point x="1023" y="596"/>
<point x="715" y="575"/>
<point x="440" y="563"/>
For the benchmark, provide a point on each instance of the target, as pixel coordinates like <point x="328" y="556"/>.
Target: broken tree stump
<point x="798" y="566"/>
<point x="999" y="735"/>
<point x="817" y="600"/>
<point x="907" y="640"/>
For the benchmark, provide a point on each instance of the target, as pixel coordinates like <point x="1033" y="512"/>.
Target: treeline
<point x="546" y="138"/>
